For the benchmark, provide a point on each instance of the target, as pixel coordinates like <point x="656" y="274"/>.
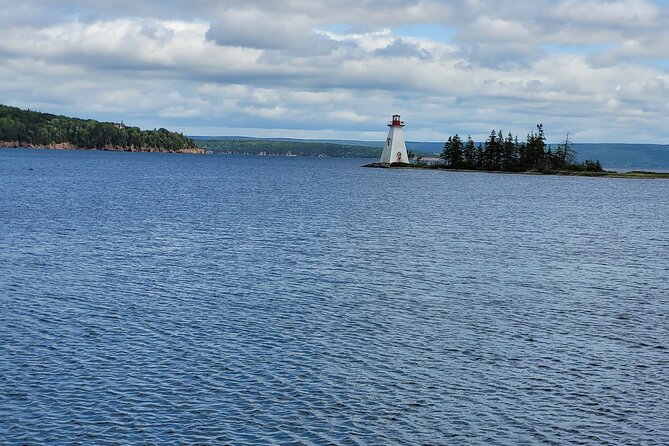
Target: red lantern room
<point x="396" y="122"/>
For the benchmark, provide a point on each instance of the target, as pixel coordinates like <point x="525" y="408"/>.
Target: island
<point x="501" y="153"/>
<point x="32" y="129"/>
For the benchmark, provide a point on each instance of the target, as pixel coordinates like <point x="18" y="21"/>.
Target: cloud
<point x="621" y="13"/>
<point x="401" y="48"/>
<point x="596" y="68"/>
<point x="263" y="30"/>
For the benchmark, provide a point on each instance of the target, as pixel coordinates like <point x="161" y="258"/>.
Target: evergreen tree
<point x="469" y="153"/>
<point x="446" y="153"/>
<point x="479" y="157"/>
<point x="499" y="153"/>
<point x="535" y="149"/>
<point x="509" y="153"/>
<point x="491" y="152"/>
<point x="453" y="152"/>
<point x="565" y="155"/>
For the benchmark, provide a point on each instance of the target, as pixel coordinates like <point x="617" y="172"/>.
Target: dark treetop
<point x="500" y="153"/>
<point x="26" y="128"/>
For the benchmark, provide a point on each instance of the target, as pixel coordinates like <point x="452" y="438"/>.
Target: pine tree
<point x="491" y="151"/>
<point x="509" y="153"/>
<point x="534" y="152"/>
<point x="453" y="152"/>
<point x="446" y="153"/>
<point x="565" y="155"/>
<point x="469" y="153"/>
<point x="479" y="157"/>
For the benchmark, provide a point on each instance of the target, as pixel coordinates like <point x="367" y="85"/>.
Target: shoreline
<point x="634" y="174"/>
<point x="106" y="148"/>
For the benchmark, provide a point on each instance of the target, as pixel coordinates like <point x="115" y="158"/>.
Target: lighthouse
<point x="395" y="151"/>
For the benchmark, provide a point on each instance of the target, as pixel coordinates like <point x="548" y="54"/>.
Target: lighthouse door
<point x="399" y="157"/>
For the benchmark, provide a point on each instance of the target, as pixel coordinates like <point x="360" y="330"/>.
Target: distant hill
<point x="304" y="147"/>
<point x="611" y="155"/>
<point x="285" y="147"/>
<point x="26" y="128"/>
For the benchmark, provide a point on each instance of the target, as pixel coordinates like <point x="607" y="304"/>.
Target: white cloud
<point x="259" y="65"/>
<point x="609" y="13"/>
<point x="489" y="29"/>
<point x="253" y="28"/>
<point x="347" y="115"/>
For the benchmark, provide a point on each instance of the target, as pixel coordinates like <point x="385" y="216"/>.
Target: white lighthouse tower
<point x="395" y="150"/>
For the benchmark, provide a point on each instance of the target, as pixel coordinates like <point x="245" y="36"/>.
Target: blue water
<point x="184" y="299"/>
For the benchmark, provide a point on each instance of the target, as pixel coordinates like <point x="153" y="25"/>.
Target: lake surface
<point x="184" y="299"/>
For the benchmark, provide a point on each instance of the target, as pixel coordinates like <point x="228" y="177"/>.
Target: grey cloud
<point x="368" y="14"/>
<point x="402" y="48"/>
<point x="270" y="36"/>
<point x="157" y="33"/>
<point x="150" y="60"/>
<point x="502" y="56"/>
<point x="655" y="87"/>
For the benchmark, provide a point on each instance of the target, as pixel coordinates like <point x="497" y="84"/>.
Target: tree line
<point x="506" y="153"/>
<point x="31" y="128"/>
<point x="273" y="147"/>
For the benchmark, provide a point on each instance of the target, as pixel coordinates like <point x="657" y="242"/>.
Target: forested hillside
<point x="25" y="128"/>
<point x="286" y="147"/>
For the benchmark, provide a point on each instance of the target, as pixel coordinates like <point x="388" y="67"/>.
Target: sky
<point x="598" y="69"/>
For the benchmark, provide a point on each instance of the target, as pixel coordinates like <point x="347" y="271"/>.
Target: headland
<point x="31" y="129"/>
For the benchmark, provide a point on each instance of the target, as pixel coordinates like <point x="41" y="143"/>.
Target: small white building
<point x="395" y="150"/>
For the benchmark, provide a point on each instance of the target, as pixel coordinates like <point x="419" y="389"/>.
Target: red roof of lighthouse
<point x="396" y="122"/>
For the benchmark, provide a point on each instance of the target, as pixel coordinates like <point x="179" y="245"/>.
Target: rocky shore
<point x="603" y="174"/>
<point x="108" y="147"/>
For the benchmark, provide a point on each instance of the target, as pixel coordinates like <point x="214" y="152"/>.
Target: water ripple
<point x="157" y="299"/>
